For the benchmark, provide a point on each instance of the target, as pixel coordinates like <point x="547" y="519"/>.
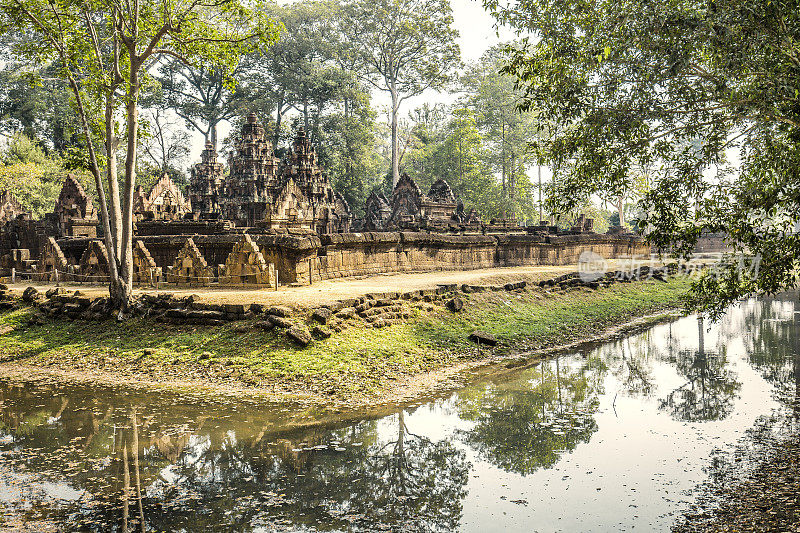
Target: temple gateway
<point x="270" y="222"/>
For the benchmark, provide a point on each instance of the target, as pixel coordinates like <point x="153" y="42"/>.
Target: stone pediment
<point x="52" y="264"/>
<point x="190" y="266"/>
<point x="246" y="265"/>
<point x="440" y="192"/>
<point x="145" y="269"/>
<point x="73" y="202"/>
<point x="165" y="201"/>
<point x="290" y="208"/>
<point x="94" y="262"/>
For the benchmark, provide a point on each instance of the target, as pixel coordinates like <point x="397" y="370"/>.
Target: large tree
<point x="104" y="50"/>
<point x="348" y="152"/>
<point x="679" y="88"/>
<point x="507" y="131"/>
<point x="306" y="71"/>
<point x="310" y="80"/>
<point x="406" y="47"/>
<point x="37" y="105"/>
<point x="203" y="95"/>
<point x="164" y="148"/>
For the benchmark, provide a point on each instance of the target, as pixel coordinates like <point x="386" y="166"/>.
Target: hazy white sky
<point x="476" y="35"/>
<point x="476" y="27"/>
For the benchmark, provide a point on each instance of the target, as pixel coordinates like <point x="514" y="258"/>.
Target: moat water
<point x="618" y="437"/>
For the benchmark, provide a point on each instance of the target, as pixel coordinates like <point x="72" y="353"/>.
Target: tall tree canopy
<point x="405" y="47"/>
<point x="678" y="88"/>
<point x="203" y="95"/>
<point x="104" y="50"/>
<point x="507" y="131"/>
<point x="38" y="105"/>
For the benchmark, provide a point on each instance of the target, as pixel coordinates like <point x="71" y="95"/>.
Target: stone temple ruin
<point x="269" y="221"/>
<point x="165" y="201"/>
<point x="409" y="209"/>
<point x="261" y="193"/>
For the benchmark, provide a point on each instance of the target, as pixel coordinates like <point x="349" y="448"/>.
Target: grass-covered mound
<point x="359" y="359"/>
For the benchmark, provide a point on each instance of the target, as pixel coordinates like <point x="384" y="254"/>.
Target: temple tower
<point x="253" y="179"/>
<point x="206" y="186"/>
<point x="330" y="212"/>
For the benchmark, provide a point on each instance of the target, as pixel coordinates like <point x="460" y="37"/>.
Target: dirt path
<point x="329" y="291"/>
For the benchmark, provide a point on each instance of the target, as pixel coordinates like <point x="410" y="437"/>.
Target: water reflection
<point x="710" y="387"/>
<point x="214" y="472"/>
<point x="643" y="413"/>
<point x="774" y="347"/>
<point x="633" y="367"/>
<point x="526" y="424"/>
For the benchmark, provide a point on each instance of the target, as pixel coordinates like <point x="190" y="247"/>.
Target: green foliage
<point x="36" y="186"/>
<point x="403" y="48"/>
<point x="21" y="149"/>
<point x="480" y="145"/>
<point x="507" y="132"/>
<point x="32" y="177"/>
<point x="348" y="153"/>
<point x="674" y="88"/>
<point x="406" y="46"/>
<point x="455" y="153"/>
<point x="308" y="76"/>
<point x="202" y="95"/>
<point x="38" y="106"/>
<point x="106" y="52"/>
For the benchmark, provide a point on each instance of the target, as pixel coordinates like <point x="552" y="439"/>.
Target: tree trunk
<point x="123" y="297"/>
<point x="348" y="162"/>
<point x="114" y="241"/>
<point x="621" y="210"/>
<point x="212" y="130"/>
<point x="115" y="219"/>
<point x="503" y="152"/>
<point x="278" y="119"/>
<point x="395" y="147"/>
<point x="104" y="214"/>
<point x="512" y="177"/>
<point x="541" y="214"/>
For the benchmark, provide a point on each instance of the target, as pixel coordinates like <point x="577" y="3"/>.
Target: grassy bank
<point x="359" y="360"/>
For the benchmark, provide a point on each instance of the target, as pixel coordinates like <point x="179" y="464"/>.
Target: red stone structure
<point x="260" y="192"/>
<point x="165" y="201"/>
<point x="377" y="212"/>
<point x="270" y="221"/>
<point x="411" y="210"/>
<point x="253" y="179"/>
<point x="10" y="208"/>
<point x="74" y="212"/>
<point x="206" y="187"/>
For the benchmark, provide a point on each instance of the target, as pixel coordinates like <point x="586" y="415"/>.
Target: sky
<point x="476" y="30"/>
<point x="476" y="35"/>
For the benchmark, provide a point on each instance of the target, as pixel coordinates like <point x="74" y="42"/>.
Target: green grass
<point x="358" y="359"/>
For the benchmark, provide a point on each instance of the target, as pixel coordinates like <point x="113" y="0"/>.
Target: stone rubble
<point x="372" y="310"/>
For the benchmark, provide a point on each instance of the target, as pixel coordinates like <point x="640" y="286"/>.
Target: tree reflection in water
<point x="710" y="390"/>
<point x="130" y="461"/>
<point x="526" y="424"/>
<point x="138" y="473"/>
<point x="774" y="348"/>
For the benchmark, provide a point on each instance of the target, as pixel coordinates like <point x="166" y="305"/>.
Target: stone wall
<point x="712" y="243"/>
<point x="309" y="258"/>
<point x="299" y="259"/>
